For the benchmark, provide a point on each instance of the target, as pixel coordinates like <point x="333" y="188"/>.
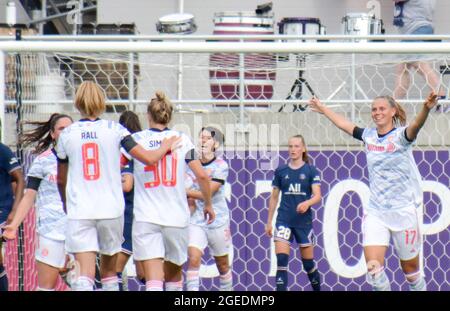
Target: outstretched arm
<point x="337" y="119"/>
<point x="22" y="210"/>
<point x="413" y="129"/>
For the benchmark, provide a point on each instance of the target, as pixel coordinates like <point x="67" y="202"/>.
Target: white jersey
<point x="217" y="171"/>
<point x="94" y="187"/>
<point x="393" y="174"/>
<point x="159" y="190"/>
<point x="51" y="219"/>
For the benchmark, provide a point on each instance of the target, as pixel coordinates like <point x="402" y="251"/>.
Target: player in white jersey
<point x="41" y="184"/>
<point x="394" y="181"/>
<point x="216" y="235"/>
<point x="89" y="177"/>
<point x="161" y="213"/>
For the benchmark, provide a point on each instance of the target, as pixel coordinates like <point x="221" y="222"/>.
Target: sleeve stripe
<point x="128" y="143"/>
<point x="220" y="181"/>
<point x="33" y="182"/>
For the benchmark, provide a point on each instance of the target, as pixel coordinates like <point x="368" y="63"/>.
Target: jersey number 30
<point x="91" y="166"/>
<point x="158" y="178"/>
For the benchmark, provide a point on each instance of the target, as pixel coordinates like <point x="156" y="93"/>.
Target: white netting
<point x="256" y="142"/>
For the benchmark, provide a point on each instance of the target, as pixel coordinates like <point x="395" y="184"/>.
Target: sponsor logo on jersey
<point x="302" y="176"/>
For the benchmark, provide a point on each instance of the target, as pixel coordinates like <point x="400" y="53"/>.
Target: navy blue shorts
<point x="127" y="247"/>
<point x="4" y="212"/>
<point x="303" y="236"/>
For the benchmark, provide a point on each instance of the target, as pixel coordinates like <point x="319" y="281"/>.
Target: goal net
<point x="259" y="100"/>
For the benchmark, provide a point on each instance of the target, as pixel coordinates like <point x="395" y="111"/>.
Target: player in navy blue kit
<point x="10" y="171"/>
<point x="299" y="184"/>
<point x="130" y="121"/>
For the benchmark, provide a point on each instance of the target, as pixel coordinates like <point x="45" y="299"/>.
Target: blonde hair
<point x="400" y="114"/>
<point x="89" y="99"/>
<point x="305" y="157"/>
<point x="160" y="109"/>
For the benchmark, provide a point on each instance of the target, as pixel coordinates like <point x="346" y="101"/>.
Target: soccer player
<point x="130" y="121"/>
<point x="41" y="184"/>
<point x="216" y="235"/>
<point x="88" y="153"/>
<point x="299" y="184"/>
<point x="161" y="213"/>
<point x="10" y="171"/>
<point x="395" y="191"/>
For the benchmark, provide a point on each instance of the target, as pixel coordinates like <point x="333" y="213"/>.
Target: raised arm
<point x="414" y="127"/>
<point x="273" y="201"/>
<point x="337" y="119"/>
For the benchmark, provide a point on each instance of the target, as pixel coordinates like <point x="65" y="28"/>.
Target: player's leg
<point x="176" y="241"/>
<point x="305" y="238"/>
<point x="282" y="239"/>
<point x="122" y="259"/>
<point x="50" y="258"/>
<point x="82" y="241"/>
<point x="148" y="250"/>
<point x="3" y="275"/>
<point x="140" y="271"/>
<point x="110" y="236"/>
<point x="375" y="241"/>
<point x="219" y="241"/>
<point x="197" y="243"/>
<point x="407" y="244"/>
<point x="402" y="80"/>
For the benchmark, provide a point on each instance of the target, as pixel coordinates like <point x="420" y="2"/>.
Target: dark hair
<point x="305" y="157"/>
<point x="41" y="134"/>
<point x="400" y="114"/>
<point x="160" y="109"/>
<point x="130" y="121"/>
<point x="216" y="134"/>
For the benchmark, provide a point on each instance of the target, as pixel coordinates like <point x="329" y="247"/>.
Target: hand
<point x="268" y="229"/>
<point x="302" y="207"/>
<point x="316" y="105"/>
<point x="171" y="143"/>
<point x="9" y="232"/>
<point x="209" y="213"/>
<point x="431" y="100"/>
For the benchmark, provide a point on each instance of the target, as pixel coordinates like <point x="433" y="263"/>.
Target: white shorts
<point x="218" y="239"/>
<point x="50" y="252"/>
<point x="152" y="241"/>
<point x="407" y="242"/>
<point x="104" y="236"/>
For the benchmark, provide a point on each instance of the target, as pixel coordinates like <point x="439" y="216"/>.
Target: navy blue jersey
<point x="296" y="187"/>
<point x="8" y="163"/>
<point x="129" y="196"/>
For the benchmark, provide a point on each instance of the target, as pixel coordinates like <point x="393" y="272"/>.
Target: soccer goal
<point x="257" y="93"/>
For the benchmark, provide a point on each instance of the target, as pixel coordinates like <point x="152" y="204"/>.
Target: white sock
<point x="226" y="281"/>
<point x="41" y="289"/>
<point x="83" y="283"/>
<point x="174" y="286"/>
<point x="110" y="284"/>
<point x="154" y="286"/>
<point x="192" y="280"/>
<point x="379" y="280"/>
<point x="416" y="282"/>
